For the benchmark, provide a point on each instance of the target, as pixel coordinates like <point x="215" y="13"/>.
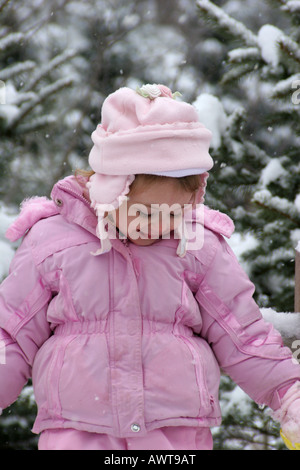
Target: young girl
<point x="124" y="300"/>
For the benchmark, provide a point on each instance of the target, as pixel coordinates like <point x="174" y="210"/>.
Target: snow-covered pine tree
<point x="258" y="159"/>
<point x="33" y="77"/>
<point x="257" y="175"/>
<point x="30" y="80"/>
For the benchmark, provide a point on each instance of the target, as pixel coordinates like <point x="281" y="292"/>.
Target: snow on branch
<point x="52" y="64"/>
<point x="244" y="53"/>
<point x="279" y="255"/>
<point x="39" y="97"/>
<point x="256" y="153"/>
<point x="16" y="69"/>
<point x="280" y="205"/>
<point x="292" y="6"/>
<point x="19" y="98"/>
<point x="266" y="43"/>
<point x="284" y="87"/>
<point x="36" y="124"/>
<point x="237" y="72"/>
<point x="226" y="21"/>
<point x="11" y="39"/>
<point x="290" y="46"/>
<point x="269" y="38"/>
<point x="287" y="323"/>
<point x="243" y="59"/>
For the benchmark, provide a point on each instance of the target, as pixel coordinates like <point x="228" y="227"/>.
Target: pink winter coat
<point x="133" y="339"/>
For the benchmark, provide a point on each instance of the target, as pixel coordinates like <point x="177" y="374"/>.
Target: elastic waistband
<point x="83" y="327"/>
<point x="101" y="326"/>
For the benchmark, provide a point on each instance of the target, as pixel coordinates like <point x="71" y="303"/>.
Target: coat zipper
<point x="74" y="193"/>
<point x="132" y="259"/>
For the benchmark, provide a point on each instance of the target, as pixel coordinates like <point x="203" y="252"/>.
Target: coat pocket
<point x="206" y="370"/>
<point x="84" y="381"/>
<point x="170" y="383"/>
<point x="205" y="398"/>
<point x="46" y="374"/>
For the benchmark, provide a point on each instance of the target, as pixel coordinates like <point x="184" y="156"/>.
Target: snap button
<point x="58" y="202"/>
<point x="135" y="427"/>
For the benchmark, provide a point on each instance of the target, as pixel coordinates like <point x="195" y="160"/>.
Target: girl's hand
<point x="289" y="416"/>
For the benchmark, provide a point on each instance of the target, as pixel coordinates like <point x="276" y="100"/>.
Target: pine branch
<point x="280" y="3"/>
<point x="44" y="71"/>
<point x="236" y="119"/>
<point x="290" y="47"/>
<point x="31" y="30"/>
<point x="21" y="98"/>
<point x="273" y="258"/>
<point x="11" y="39"/>
<point x="16" y="69"/>
<point x="3" y="4"/>
<point x="243" y="54"/>
<point x="237" y="72"/>
<point x="36" y="124"/>
<point x="243" y="61"/>
<point x="281" y="206"/>
<point x="285" y="87"/>
<point x="41" y="96"/>
<point x="256" y="153"/>
<point x="236" y="28"/>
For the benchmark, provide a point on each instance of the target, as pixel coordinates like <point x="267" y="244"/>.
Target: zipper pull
<point x="125" y="242"/>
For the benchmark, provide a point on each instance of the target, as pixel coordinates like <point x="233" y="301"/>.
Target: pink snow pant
<point x="168" y="438"/>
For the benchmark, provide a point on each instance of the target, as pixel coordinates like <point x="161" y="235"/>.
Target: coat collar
<point x="68" y="196"/>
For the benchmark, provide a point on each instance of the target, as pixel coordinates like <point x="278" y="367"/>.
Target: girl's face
<point x="152" y="211"/>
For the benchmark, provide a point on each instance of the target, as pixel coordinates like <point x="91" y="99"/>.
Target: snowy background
<point x="237" y="61"/>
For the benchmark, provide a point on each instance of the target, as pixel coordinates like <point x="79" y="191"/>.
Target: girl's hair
<point x="79" y="174"/>
<point x="189" y="183"/>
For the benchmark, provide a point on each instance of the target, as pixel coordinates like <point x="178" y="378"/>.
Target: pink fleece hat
<point x="144" y="131"/>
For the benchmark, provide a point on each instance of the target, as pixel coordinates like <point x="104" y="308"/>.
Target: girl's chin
<point x="143" y="241"/>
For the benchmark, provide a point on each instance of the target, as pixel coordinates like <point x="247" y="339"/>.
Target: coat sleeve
<point x="24" y="299"/>
<point x="247" y="348"/>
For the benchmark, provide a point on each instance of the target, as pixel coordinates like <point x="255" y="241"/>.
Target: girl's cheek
<point x="161" y="226"/>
